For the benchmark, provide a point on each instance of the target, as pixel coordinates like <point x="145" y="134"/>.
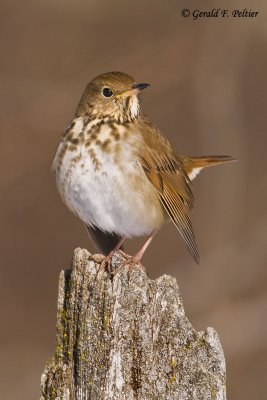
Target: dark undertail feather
<point x="105" y="242"/>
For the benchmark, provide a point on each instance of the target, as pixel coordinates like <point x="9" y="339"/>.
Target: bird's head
<point x="111" y="96"/>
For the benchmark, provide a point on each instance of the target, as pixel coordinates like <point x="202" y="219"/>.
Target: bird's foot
<point x="98" y="258"/>
<point x="134" y="261"/>
<point x="104" y="261"/>
<point x="131" y="262"/>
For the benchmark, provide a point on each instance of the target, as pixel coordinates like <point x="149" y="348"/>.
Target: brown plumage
<point x="192" y="163"/>
<point x="119" y="173"/>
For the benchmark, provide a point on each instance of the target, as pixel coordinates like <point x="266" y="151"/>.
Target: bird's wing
<point x="168" y="176"/>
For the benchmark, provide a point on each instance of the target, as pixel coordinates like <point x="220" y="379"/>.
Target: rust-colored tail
<point x="193" y="165"/>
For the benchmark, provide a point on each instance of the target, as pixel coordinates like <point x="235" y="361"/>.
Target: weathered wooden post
<point x="127" y="337"/>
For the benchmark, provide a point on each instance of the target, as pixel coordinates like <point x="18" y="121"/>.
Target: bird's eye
<point x="107" y="92"/>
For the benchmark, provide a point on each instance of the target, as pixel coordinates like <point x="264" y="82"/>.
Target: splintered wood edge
<point x="57" y="379"/>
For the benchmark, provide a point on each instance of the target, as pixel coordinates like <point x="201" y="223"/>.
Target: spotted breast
<point x="98" y="185"/>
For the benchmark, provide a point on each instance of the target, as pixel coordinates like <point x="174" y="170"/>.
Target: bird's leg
<point x="107" y="259"/>
<point x="137" y="257"/>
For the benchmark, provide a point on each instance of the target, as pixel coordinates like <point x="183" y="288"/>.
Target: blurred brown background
<point x="208" y="95"/>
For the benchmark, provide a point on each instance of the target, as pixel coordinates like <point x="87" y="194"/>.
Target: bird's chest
<point x="103" y="182"/>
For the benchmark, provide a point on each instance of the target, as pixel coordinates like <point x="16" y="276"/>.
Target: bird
<point x="119" y="173"/>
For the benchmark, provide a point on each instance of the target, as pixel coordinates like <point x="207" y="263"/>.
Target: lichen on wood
<point x="127" y="337"/>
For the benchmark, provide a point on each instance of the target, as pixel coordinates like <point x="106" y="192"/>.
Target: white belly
<point x="115" y="198"/>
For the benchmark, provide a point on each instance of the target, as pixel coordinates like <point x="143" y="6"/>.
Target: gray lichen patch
<point x="127" y="337"/>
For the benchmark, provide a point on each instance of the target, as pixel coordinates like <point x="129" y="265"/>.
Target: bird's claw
<point x="131" y="262"/>
<point x="105" y="262"/>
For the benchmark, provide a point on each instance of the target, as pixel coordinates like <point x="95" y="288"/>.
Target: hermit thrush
<point x="119" y="174"/>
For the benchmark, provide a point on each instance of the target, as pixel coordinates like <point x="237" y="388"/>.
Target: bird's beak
<point x="136" y="88"/>
<point x="140" y="86"/>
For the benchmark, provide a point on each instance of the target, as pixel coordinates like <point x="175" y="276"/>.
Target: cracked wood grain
<point x="127" y="337"/>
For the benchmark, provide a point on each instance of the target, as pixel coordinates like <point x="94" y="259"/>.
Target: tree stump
<point x="127" y="337"/>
